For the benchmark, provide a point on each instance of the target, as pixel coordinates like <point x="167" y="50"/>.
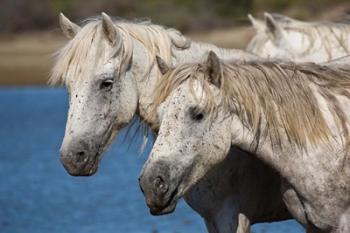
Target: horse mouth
<point x="91" y="168"/>
<point x="168" y="208"/>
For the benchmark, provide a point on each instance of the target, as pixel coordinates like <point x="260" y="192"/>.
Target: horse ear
<point x="69" y="28"/>
<point x="272" y="27"/>
<point x="213" y="71"/>
<point x="109" y="29"/>
<point x="163" y="67"/>
<point x="257" y="24"/>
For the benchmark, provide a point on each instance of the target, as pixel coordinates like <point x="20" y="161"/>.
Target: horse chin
<point x="168" y="208"/>
<point x="165" y="210"/>
<point x="91" y="168"/>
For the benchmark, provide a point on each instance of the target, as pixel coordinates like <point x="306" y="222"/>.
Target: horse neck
<point x="244" y="138"/>
<point x="286" y="154"/>
<point x="147" y="84"/>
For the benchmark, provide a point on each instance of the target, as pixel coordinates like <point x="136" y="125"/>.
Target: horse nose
<point x="75" y="156"/>
<point x="160" y="186"/>
<point x="75" y="161"/>
<point x="81" y="156"/>
<point x="155" y="183"/>
<point x="153" y="187"/>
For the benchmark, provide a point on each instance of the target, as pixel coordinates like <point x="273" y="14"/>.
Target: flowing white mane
<point x="333" y="36"/>
<point x="280" y="93"/>
<point x="157" y="39"/>
<point x="328" y="32"/>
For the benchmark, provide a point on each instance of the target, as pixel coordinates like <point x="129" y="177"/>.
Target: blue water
<point x="38" y="196"/>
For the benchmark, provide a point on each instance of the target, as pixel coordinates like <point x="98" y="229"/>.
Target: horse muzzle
<point x="79" y="162"/>
<point x="161" y="194"/>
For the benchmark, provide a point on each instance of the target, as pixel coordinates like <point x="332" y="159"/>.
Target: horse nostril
<point x="80" y="157"/>
<point x="143" y="192"/>
<point x="160" y="186"/>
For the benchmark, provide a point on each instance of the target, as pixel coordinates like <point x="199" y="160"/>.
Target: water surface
<point x="38" y="196"/>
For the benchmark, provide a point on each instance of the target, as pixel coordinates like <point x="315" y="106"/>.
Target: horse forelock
<point x="156" y="39"/>
<point x="274" y="100"/>
<point x="74" y="53"/>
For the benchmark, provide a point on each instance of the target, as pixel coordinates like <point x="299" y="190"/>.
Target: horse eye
<point x="196" y="115"/>
<point x="106" y="84"/>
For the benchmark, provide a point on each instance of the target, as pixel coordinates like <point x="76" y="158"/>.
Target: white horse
<point x="286" y="38"/>
<point x="293" y="117"/>
<point x="110" y="73"/>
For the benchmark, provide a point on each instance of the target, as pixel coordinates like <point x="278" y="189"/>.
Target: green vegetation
<point x="24" y="15"/>
<point x="61" y="5"/>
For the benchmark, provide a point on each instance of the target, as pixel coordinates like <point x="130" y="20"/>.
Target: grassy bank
<point x="26" y="59"/>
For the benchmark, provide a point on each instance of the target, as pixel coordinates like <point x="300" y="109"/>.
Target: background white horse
<point x="286" y="38"/>
<point x="293" y="117"/>
<point x="110" y="73"/>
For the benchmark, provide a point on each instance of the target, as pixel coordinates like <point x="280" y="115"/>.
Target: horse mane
<point x="157" y="39"/>
<point x="329" y="33"/>
<point x="273" y="99"/>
